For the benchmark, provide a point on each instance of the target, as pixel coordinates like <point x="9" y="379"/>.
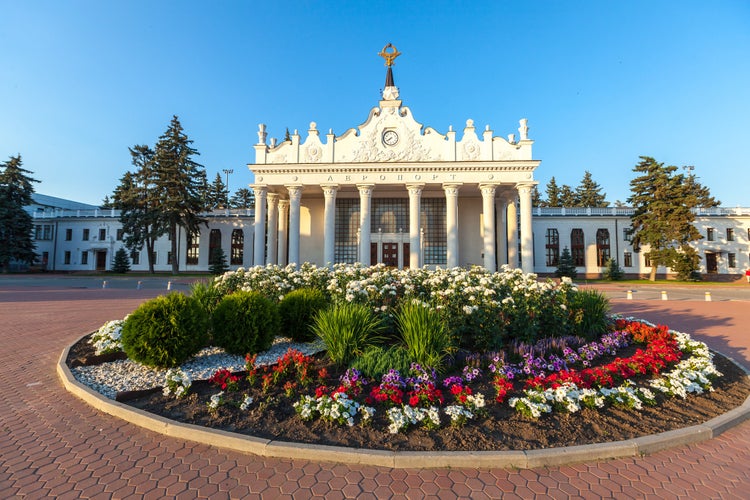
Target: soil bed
<point x="272" y="416"/>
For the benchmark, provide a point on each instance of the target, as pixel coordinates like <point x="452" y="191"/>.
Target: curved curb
<point x="522" y="459"/>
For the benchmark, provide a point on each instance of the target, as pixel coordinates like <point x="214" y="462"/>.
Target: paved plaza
<point x="54" y="445"/>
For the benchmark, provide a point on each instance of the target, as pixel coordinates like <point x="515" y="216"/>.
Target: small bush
<point x="428" y="341"/>
<point x="565" y="266"/>
<point x="376" y="361"/>
<point x="206" y="294"/>
<point x="165" y="331"/>
<point x="245" y="323"/>
<point x="589" y="310"/>
<point x="121" y="262"/>
<point x="297" y="311"/>
<point x="347" y="331"/>
<point x="217" y="261"/>
<point x="613" y="271"/>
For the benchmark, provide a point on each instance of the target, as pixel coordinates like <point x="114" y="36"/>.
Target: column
<point x="295" y="195"/>
<point x="512" y="216"/>
<point x="451" y="224"/>
<point x="365" y="197"/>
<point x="488" y="210"/>
<point x="329" y="228"/>
<point x="273" y="227"/>
<point x="283" y="231"/>
<point x="501" y="229"/>
<point x="415" y="242"/>
<point x="259" y="251"/>
<point x="527" y="235"/>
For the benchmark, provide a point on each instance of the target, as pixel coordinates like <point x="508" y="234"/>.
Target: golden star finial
<point x="389" y="56"/>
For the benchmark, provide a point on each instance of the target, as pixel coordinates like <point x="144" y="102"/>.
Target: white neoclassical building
<point x="392" y="191"/>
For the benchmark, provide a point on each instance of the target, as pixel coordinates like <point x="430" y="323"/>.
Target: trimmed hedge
<point x="297" y="311"/>
<point x="245" y="323"/>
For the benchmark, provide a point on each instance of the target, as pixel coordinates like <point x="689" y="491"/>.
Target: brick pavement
<point x="55" y="445"/>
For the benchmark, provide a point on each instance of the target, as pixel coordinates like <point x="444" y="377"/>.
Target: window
<point x="577" y="248"/>
<point x="553" y="247"/>
<point x="169" y="258"/>
<point x="214" y="241"/>
<point x="347" y="224"/>
<point x="120" y="234"/>
<point x="193" y="248"/>
<point x="647" y="260"/>
<point x="628" y="258"/>
<point x="238" y="247"/>
<point x="67" y="257"/>
<point x="154" y="254"/>
<point x="730" y="234"/>
<point x="135" y="257"/>
<point x="710" y="234"/>
<point x="602" y="247"/>
<point x="748" y="234"/>
<point x="43" y="232"/>
<point x="68" y="234"/>
<point x="102" y="234"/>
<point x="627" y="234"/>
<point x="432" y="220"/>
<point x="86" y="234"/>
<point x="731" y="260"/>
<point x="84" y="258"/>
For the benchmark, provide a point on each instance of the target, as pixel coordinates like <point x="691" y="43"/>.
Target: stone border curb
<point x="522" y="459"/>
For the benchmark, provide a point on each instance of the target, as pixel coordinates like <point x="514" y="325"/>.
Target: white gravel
<point x="126" y="375"/>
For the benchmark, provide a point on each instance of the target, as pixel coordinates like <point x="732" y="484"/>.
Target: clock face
<point x="390" y="137"/>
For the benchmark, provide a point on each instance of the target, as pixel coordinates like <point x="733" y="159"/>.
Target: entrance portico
<point x="392" y="191"/>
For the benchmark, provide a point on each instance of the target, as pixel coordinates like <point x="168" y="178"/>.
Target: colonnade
<point x="283" y="230"/>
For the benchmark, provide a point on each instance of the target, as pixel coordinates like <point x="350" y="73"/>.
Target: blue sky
<point x="600" y="82"/>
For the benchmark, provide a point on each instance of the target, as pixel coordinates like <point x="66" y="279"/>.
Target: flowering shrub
<point x="177" y="383"/>
<point x="106" y="340"/>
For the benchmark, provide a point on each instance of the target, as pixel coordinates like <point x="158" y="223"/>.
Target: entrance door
<point x="711" y="265"/>
<point x="101" y="260"/>
<point x="390" y="254"/>
<point x="407" y="255"/>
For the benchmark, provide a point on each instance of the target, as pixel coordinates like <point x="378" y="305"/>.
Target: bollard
<point x="138" y="286"/>
<point x="104" y="284"/>
<point x="708" y="296"/>
<point x="169" y="285"/>
<point x="630" y="294"/>
<point x="663" y="295"/>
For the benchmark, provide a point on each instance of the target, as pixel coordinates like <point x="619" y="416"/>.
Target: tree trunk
<point x="175" y="257"/>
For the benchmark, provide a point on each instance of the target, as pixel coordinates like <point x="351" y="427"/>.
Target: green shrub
<point x="206" y="294"/>
<point x="428" y="340"/>
<point x="613" y="271"/>
<point x="376" y="361"/>
<point x="245" y="322"/>
<point x="121" y="262"/>
<point x="297" y="311"/>
<point x="165" y="331"/>
<point x="589" y="309"/>
<point x="217" y="261"/>
<point x="347" y="331"/>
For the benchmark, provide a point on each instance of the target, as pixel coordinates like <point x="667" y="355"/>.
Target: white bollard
<point x="663" y="295"/>
<point x="630" y="294"/>
<point x="708" y="296"/>
<point x="169" y="285"/>
<point x="104" y="284"/>
<point x="138" y="286"/>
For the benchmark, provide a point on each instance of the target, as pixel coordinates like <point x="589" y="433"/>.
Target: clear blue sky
<point x="600" y="82"/>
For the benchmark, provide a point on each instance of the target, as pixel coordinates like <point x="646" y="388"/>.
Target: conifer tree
<point x="589" y="193"/>
<point x="567" y="197"/>
<point x="216" y="194"/>
<point x="565" y="265"/>
<point x="243" y="198"/>
<point x="663" y="217"/>
<point x="218" y="261"/>
<point x="178" y="183"/>
<point x="121" y="262"/>
<point x="16" y="223"/>
<point x="536" y="198"/>
<point x="553" y="194"/>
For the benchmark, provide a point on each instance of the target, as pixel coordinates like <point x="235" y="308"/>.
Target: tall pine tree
<point x="589" y="193"/>
<point x="663" y="217"/>
<point x="217" y="194"/>
<point x="553" y="193"/>
<point x="178" y="185"/>
<point x="567" y="197"/>
<point x="16" y="223"/>
<point x="243" y="198"/>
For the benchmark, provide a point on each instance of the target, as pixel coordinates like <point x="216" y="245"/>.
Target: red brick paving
<point x="55" y="445"/>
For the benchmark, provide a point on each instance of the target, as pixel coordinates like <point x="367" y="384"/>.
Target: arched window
<point x="577" y="248"/>
<point x="602" y="247"/>
<point x="193" y="248"/>
<point x="238" y="247"/>
<point x="553" y="247"/>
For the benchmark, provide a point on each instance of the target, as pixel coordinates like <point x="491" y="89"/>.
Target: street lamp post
<point x="228" y="171"/>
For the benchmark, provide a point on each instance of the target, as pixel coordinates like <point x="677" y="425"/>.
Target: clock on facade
<point x="390" y="137"/>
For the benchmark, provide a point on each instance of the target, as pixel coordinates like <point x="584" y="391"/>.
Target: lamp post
<point x="228" y="171"/>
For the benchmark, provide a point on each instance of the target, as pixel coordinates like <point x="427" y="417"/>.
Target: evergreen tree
<point x="663" y="219"/>
<point x="589" y="193"/>
<point x="553" y="194"/>
<point x="567" y="197"/>
<point x="536" y="199"/>
<point x="613" y="271"/>
<point x="243" y="198"/>
<point x="178" y="182"/>
<point x="16" y="224"/>
<point x="107" y="203"/>
<point x="137" y="200"/>
<point x="217" y="262"/>
<point x="217" y="194"/>
<point x="121" y="262"/>
<point x="565" y="265"/>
